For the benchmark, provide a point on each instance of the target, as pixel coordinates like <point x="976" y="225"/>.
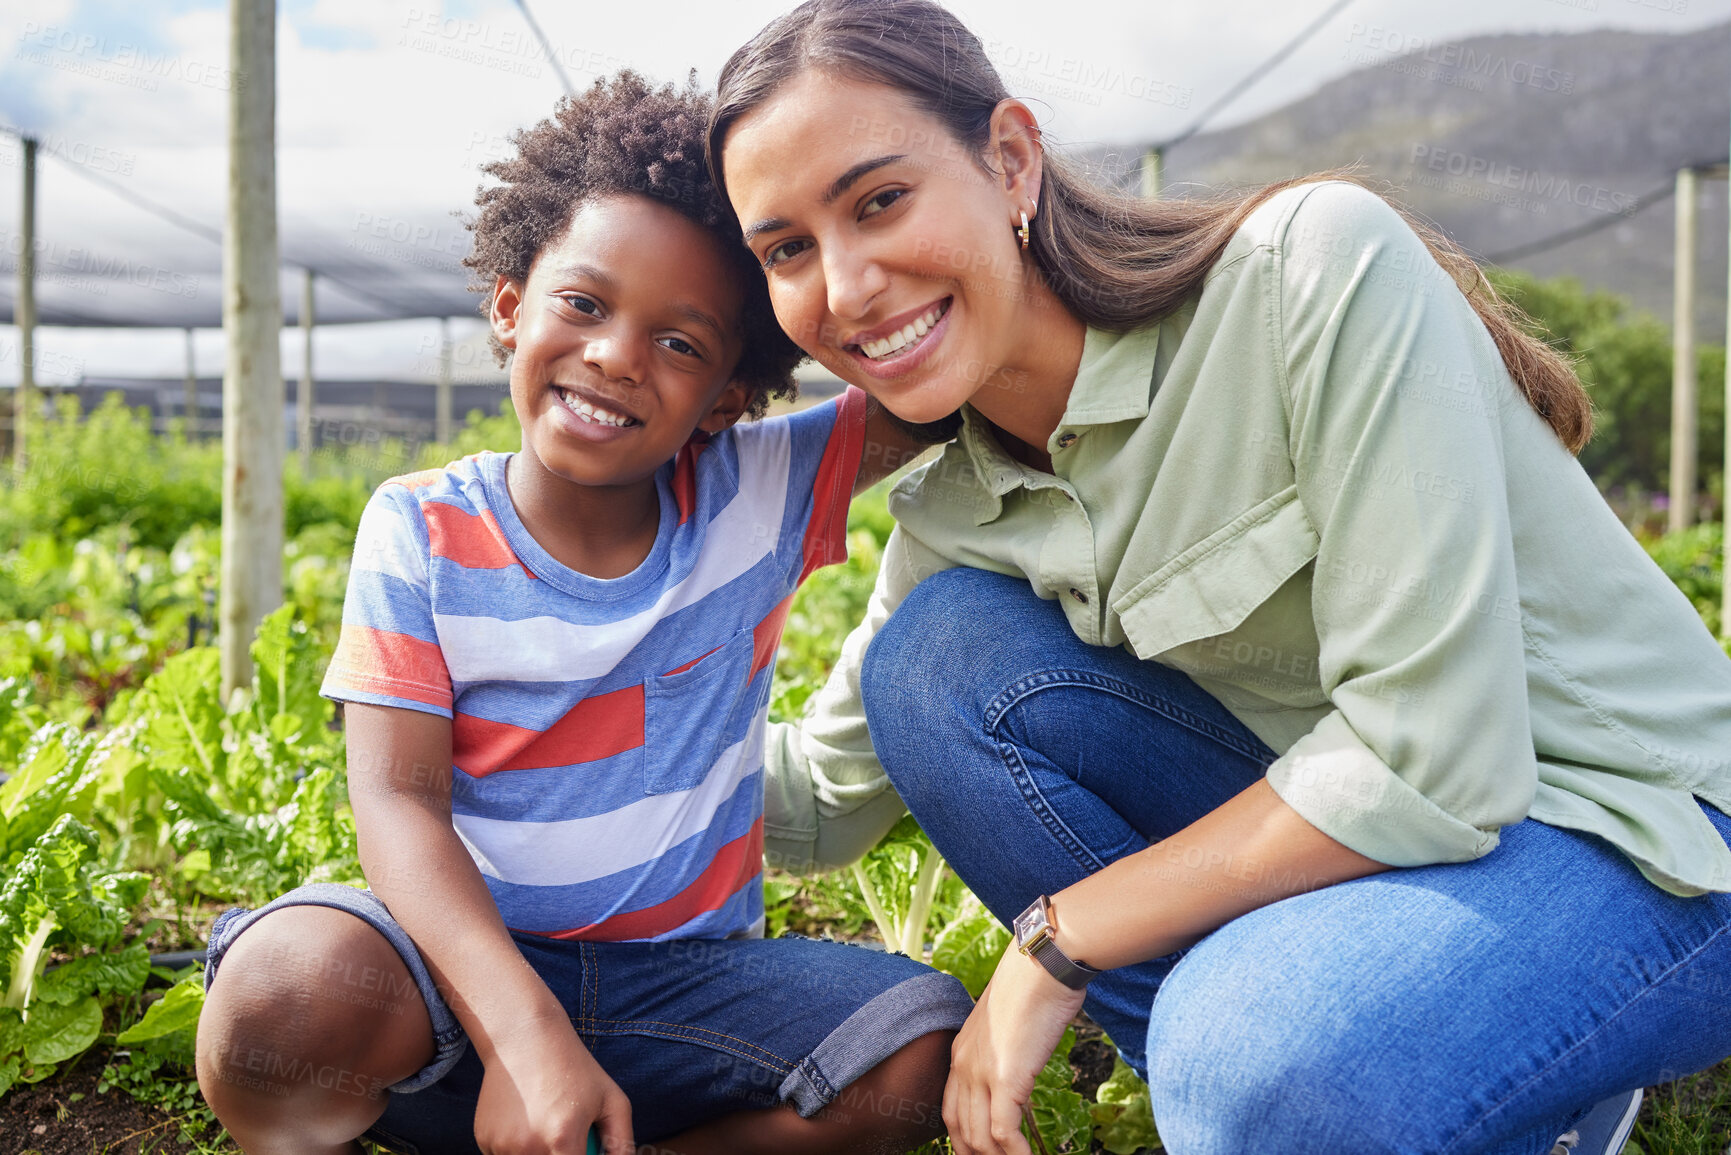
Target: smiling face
<point x="626" y="333"/>
<point x="889" y="248"/>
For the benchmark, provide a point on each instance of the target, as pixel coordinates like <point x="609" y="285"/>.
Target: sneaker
<point x="1605" y="1129"/>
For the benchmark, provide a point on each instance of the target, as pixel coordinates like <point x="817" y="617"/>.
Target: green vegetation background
<point x="138" y="804"/>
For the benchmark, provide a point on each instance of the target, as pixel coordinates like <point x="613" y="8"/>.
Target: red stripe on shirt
<point x="765" y="639"/>
<point x="733" y="866"/>
<point x="594" y="728"/>
<point x="472" y="541"/>
<point x="391" y="665"/>
<point x="766" y="636"/>
<point x="832" y="491"/>
<point x="685" y="478"/>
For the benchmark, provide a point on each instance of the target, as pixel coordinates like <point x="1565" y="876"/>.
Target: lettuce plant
<point x="56" y="897"/>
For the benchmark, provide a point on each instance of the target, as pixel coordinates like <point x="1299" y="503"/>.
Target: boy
<point x="556" y="667"/>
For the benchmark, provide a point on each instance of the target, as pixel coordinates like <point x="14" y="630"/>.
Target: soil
<point x="1091" y="1058"/>
<point x="44" y="1118"/>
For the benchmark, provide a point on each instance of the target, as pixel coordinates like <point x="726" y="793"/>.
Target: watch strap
<point x="1061" y="966"/>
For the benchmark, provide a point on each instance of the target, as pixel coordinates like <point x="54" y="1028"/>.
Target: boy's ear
<point x="728" y="408"/>
<point x="507" y="303"/>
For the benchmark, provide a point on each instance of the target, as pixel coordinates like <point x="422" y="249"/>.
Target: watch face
<point x="1029" y="924"/>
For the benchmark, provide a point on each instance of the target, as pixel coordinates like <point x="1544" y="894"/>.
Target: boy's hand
<point x="541" y="1093"/>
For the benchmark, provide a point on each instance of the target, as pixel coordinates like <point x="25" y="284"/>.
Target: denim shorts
<point x="690" y="1029"/>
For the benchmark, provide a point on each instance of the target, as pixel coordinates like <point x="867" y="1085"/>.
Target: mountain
<point x="1508" y="140"/>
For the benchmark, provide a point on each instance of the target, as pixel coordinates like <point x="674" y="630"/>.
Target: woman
<point x="1259" y="618"/>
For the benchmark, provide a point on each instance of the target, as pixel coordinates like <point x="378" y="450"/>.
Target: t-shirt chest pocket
<point x="689" y="714"/>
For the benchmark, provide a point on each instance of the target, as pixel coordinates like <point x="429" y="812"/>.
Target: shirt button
<point x="1078" y="595"/>
<point x="1065" y="440"/>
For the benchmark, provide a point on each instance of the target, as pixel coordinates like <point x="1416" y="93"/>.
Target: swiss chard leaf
<point x="122" y="972"/>
<point x="54" y="890"/>
<point x="54" y="779"/>
<point x="177" y="1010"/>
<point x="285" y="703"/>
<point x="182" y="710"/>
<point x="1123" y="1114"/>
<point x="1059" y="1113"/>
<point x="53" y="1034"/>
<point x="971" y="945"/>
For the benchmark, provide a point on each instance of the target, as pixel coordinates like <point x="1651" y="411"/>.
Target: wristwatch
<point x="1034" y="930"/>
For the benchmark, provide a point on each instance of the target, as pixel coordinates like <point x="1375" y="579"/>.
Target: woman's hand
<point x="1000" y="1051"/>
<point x="542" y="1091"/>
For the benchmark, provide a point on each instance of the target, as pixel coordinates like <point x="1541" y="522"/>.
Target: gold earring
<point x="1023" y="232"/>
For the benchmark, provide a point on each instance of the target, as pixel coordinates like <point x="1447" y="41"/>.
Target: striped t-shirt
<point x="607" y="735"/>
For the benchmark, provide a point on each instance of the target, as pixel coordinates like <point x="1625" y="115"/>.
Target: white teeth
<point x="907" y="335"/>
<point x="589" y="413"/>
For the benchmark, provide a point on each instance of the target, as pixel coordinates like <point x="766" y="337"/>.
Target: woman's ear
<point x="507" y="303"/>
<point x="728" y="408"/>
<point x="1015" y="139"/>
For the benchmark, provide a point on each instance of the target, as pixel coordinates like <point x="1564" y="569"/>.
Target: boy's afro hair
<point x="623" y="136"/>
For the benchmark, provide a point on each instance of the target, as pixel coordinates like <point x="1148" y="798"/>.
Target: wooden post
<point x="24" y="316"/>
<point x="190" y="403"/>
<point x="252" y="387"/>
<point x="1153" y="173"/>
<point x="442" y="405"/>
<point x="304" y="395"/>
<point x="1683" y="387"/>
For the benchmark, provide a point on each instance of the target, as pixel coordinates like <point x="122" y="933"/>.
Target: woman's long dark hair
<point x="1116" y="261"/>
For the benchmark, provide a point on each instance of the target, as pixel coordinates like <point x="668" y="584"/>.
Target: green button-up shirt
<point x="1317" y="492"/>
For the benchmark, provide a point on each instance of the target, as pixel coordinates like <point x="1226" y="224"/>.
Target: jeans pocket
<point x="687" y="714"/>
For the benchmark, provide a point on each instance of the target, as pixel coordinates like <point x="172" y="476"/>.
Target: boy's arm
<point x="887" y="448"/>
<point x="542" y="1089"/>
<point x="826" y="798"/>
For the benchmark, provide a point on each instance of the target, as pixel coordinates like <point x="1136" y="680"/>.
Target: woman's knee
<point x="941" y="618"/>
<point x="1244" y="1062"/>
<point x="952" y="645"/>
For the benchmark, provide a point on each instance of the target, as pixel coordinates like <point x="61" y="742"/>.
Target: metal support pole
<point x="304" y="395"/>
<point x="442" y="406"/>
<point x="1683" y="386"/>
<point x="252" y="385"/>
<point x="190" y="403"/>
<point x="25" y="317"/>
<point x="1153" y="173"/>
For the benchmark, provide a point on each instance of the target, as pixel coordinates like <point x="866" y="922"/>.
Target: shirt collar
<point x="1115" y="379"/>
<point x="1114" y="382"/>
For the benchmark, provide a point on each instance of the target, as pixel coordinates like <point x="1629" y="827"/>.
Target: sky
<point x="387" y="109"/>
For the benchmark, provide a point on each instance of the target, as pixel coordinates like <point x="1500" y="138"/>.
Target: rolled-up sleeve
<point x="1399" y="406"/>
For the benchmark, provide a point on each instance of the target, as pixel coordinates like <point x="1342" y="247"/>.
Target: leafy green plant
<point x="252" y="788"/>
<point x="1057" y="1118"/>
<point x="154" y="1062"/>
<point x="1695" y="560"/>
<point x="970" y="945"/>
<point x="898" y="882"/>
<point x="1623" y="356"/>
<point x="1123" y="1113"/>
<point x="56" y="895"/>
<point x="172" y="1020"/>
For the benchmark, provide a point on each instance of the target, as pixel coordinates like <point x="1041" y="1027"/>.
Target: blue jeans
<point x="1450" y="1009"/>
<point x="690" y="1029"/>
